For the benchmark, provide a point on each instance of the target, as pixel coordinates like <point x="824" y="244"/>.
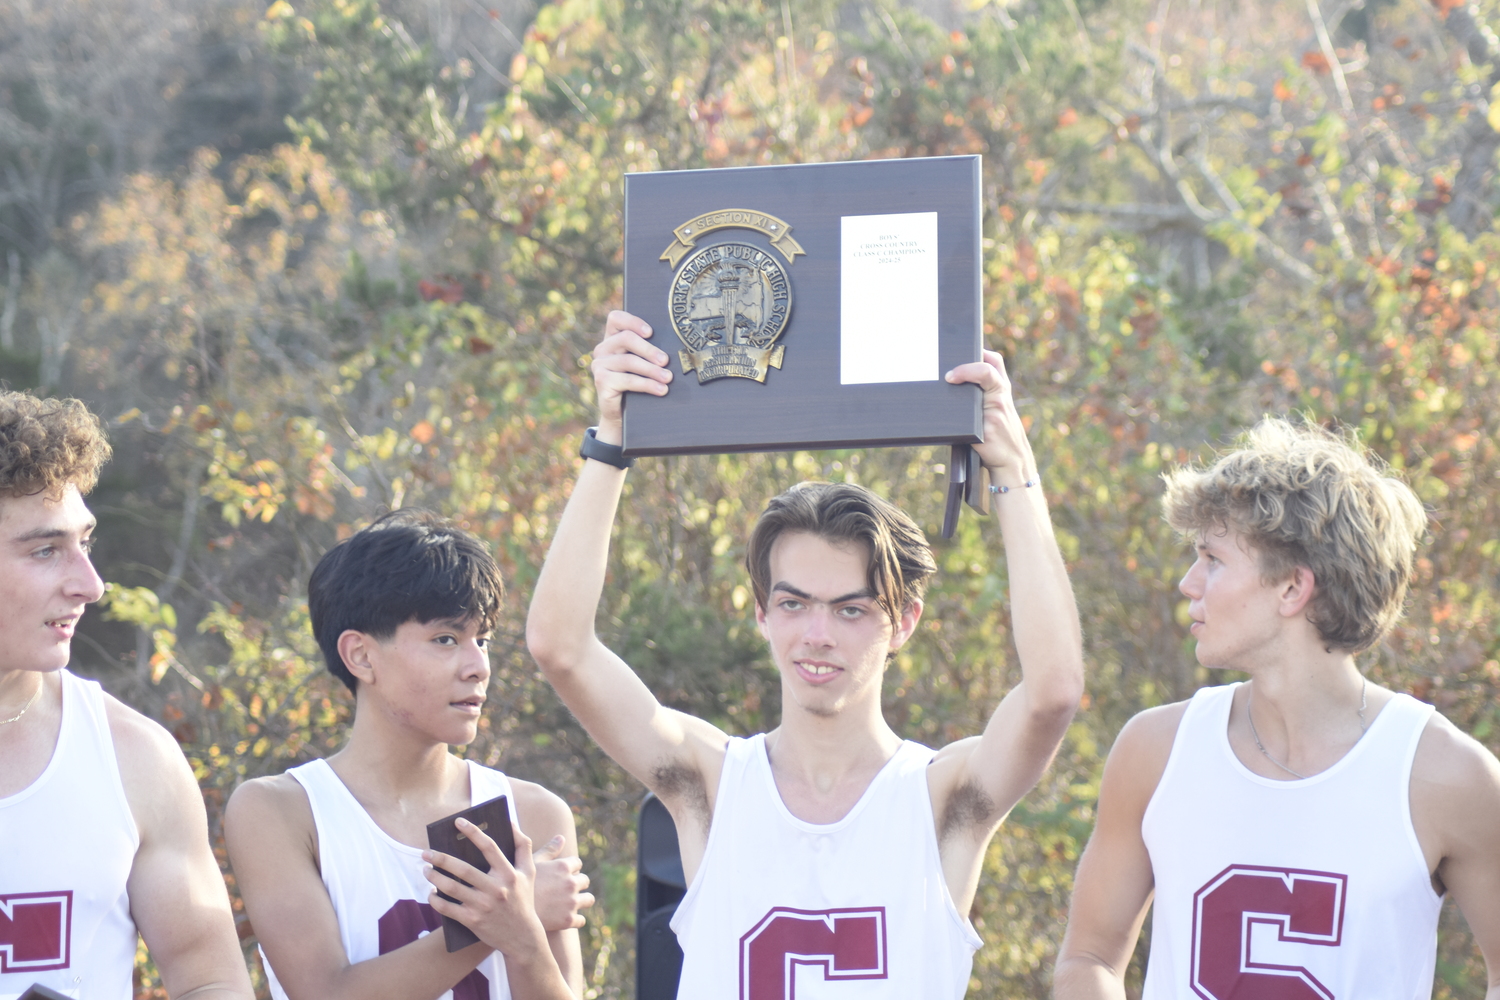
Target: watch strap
<point x="609" y="454"/>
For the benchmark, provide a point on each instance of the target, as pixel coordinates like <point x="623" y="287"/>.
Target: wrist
<point x="1005" y="480"/>
<point x="527" y="948"/>
<point x="598" y="447"/>
<point x="610" y="430"/>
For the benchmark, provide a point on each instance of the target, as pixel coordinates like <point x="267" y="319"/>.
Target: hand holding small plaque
<point x="483" y="877"/>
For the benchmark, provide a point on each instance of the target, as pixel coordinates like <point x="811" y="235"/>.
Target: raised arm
<point x="1113" y="887"/>
<point x="977" y="781"/>
<point x="176" y="890"/>
<point x="675" y="755"/>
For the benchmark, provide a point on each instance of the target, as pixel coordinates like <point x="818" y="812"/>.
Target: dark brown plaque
<point x="493" y="817"/>
<point x="783" y="389"/>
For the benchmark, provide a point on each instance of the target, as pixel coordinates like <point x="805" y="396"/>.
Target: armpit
<point x="685" y="784"/>
<point x="968" y="807"/>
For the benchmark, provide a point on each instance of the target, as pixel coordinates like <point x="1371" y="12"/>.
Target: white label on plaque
<point x="889" y="299"/>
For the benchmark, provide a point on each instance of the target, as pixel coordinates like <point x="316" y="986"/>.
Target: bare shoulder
<point x="1454" y="779"/>
<point x="1448" y="755"/>
<point x="541" y="811"/>
<point x="159" y="785"/>
<point x="1151" y="732"/>
<point x="145" y="749"/>
<point x="1140" y="753"/>
<point x="276" y="801"/>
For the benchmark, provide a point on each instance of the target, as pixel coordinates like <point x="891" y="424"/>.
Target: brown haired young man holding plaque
<point x="827" y="857"/>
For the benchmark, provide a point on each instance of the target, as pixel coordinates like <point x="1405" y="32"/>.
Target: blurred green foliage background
<point x="321" y="259"/>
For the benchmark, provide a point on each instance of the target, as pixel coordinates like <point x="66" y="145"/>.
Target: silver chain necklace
<point x="1250" y="714"/>
<point x="17" y="716"/>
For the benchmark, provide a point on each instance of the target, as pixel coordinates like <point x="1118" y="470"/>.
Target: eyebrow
<point x="858" y="595"/>
<point x="38" y="534"/>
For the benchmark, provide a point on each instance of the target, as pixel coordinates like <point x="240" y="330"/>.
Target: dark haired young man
<point x="330" y="857"/>
<point x="1297" y="831"/>
<point x="102" y="829"/>
<point x="827" y="858"/>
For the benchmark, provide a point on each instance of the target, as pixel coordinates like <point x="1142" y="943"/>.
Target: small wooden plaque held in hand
<point x="493" y="817"/>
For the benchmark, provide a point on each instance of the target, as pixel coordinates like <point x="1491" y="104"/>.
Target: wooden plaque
<point x="789" y="228"/>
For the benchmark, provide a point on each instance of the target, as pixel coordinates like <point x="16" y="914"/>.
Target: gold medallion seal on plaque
<point x="729" y="302"/>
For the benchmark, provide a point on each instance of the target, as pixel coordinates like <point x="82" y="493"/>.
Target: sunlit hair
<point x="410" y="565"/>
<point x="1303" y="496"/>
<point x="900" y="560"/>
<point x="45" y="444"/>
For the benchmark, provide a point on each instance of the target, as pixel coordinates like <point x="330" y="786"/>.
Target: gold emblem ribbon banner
<point x="733" y="218"/>
<point x="737" y="360"/>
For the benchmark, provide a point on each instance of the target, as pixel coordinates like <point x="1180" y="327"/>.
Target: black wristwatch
<point x="609" y="454"/>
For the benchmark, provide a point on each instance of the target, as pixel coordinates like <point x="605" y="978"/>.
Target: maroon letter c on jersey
<point x="36" y="930"/>
<point x="848" y="943"/>
<point x="406" y="921"/>
<point x="1300" y="907"/>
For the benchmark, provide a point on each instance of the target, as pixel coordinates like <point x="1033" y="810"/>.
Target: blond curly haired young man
<point x="1294" y="834"/>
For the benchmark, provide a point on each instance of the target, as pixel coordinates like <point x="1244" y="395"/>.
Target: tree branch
<point x="1162" y="213"/>
<point x="1467" y="210"/>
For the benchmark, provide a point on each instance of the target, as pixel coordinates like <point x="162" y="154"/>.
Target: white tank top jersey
<point x="376" y="882"/>
<point x="853" y="910"/>
<point x="1312" y="889"/>
<point x="67" y="844"/>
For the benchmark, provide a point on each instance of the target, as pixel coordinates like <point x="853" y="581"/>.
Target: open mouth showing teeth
<point x="819" y="670"/>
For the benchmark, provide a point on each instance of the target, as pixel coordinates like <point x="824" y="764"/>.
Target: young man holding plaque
<point x="828" y="850"/>
<point x="102" y="829"/>
<point x="1298" y="830"/>
<point x="331" y="857"/>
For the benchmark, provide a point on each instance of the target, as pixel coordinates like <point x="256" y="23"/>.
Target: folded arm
<point x="499" y="906"/>
<point x="273" y="847"/>
<point x="560" y="895"/>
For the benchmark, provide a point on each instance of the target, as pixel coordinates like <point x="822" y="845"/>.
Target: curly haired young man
<point x="1298" y="830"/>
<point x="102" y="830"/>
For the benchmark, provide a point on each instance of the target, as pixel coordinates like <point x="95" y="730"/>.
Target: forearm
<point x="421" y="970"/>
<point x="560" y="622"/>
<point x="568" y="954"/>
<point x="1044" y="616"/>
<point x="534" y="974"/>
